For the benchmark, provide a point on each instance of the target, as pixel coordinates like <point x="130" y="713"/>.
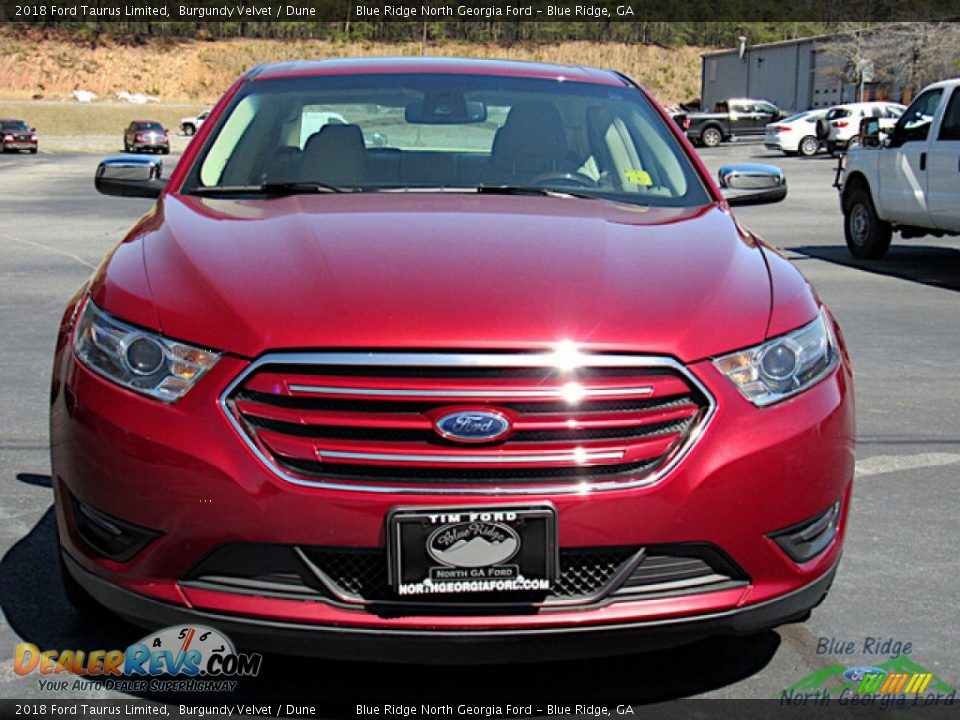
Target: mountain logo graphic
<point x="473" y="544"/>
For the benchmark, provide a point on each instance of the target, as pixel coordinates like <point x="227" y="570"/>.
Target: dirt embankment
<point x="191" y="71"/>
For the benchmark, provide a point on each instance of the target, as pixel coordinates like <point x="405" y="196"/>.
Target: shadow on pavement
<point x="31" y="599"/>
<point x="924" y="264"/>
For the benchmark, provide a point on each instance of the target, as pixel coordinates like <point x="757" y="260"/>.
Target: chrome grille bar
<point x="563" y="362"/>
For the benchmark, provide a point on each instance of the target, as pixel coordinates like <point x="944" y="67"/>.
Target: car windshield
<point x="446" y="132"/>
<point x="14" y="126"/>
<point x="148" y="126"/>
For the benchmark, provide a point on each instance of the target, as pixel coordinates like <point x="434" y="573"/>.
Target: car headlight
<point x="784" y="366"/>
<point x="137" y="359"/>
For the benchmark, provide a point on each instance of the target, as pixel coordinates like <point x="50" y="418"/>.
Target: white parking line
<point x="880" y="464"/>
<point x="49" y="249"/>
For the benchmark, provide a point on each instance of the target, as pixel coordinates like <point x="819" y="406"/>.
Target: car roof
<point x="805" y="113"/>
<point x="944" y="83"/>
<point x="12" y="120"/>
<point x="869" y="103"/>
<point x="456" y="66"/>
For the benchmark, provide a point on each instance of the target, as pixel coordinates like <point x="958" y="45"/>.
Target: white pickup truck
<point x="907" y="180"/>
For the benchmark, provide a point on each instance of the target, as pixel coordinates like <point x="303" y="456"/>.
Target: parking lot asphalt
<point x="898" y="577"/>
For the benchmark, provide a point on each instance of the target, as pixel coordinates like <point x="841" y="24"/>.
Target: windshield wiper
<point x="535" y="190"/>
<point x="273" y="189"/>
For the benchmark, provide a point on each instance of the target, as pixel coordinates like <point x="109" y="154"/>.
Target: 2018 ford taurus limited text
<point x="487" y="364"/>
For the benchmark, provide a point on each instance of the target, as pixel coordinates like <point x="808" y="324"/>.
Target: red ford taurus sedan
<point x="485" y="368"/>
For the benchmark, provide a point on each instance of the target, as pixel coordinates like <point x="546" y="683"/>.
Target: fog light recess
<point x="108" y="535"/>
<point x="805" y="540"/>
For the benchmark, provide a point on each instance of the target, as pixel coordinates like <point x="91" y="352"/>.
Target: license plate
<point x="453" y="551"/>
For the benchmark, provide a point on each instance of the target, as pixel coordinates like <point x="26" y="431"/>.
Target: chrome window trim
<point x="481" y="360"/>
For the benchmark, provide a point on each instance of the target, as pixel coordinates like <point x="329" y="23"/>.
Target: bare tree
<point x="858" y="51"/>
<point x="912" y="54"/>
<point x="919" y="53"/>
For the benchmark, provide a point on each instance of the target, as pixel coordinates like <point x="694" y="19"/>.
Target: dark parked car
<point x="513" y="384"/>
<point x="731" y="118"/>
<point x="146" y="135"/>
<point x="16" y="135"/>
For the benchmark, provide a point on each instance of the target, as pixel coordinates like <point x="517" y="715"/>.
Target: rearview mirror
<point x="750" y="184"/>
<point x="130" y="176"/>
<point x="445" y="108"/>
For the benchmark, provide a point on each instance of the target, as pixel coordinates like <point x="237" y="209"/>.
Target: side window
<point x="766" y="108"/>
<point x="950" y="127"/>
<point x="914" y="124"/>
<point x="233" y="130"/>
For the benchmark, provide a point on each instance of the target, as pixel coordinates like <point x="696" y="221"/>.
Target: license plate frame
<point x="466" y="550"/>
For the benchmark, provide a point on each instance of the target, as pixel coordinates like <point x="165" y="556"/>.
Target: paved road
<point x="898" y="578"/>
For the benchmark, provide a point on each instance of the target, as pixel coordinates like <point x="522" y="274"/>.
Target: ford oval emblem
<point x="473" y="426"/>
<point x="473" y="544"/>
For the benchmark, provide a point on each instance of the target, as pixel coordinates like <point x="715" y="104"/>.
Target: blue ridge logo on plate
<point x="473" y="544"/>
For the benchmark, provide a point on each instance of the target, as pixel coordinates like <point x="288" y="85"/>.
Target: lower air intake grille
<point x="359" y="575"/>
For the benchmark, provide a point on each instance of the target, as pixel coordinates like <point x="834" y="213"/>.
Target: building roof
<point x="781" y="43"/>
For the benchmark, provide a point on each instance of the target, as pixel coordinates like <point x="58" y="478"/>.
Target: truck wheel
<point x="809" y="146"/>
<point x="711" y="137"/>
<point x="189" y="129"/>
<point x="868" y="237"/>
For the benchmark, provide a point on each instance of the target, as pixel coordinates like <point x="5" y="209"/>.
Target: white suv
<point x="842" y="122"/>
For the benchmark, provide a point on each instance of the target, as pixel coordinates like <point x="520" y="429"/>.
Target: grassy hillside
<point x="199" y="71"/>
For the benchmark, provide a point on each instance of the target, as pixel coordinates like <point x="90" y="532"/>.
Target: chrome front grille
<point x="366" y="421"/>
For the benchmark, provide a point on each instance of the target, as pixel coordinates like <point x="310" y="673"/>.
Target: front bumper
<point x="183" y="470"/>
<point x="458" y="646"/>
<point x="20" y="145"/>
<point x="151" y="143"/>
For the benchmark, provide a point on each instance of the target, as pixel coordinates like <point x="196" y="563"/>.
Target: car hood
<point x="445" y="270"/>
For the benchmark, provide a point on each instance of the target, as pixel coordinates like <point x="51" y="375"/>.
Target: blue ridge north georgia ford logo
<point x="473" y="426"/>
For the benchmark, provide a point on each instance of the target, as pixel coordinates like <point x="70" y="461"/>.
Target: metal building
<point x="793" y="75"/>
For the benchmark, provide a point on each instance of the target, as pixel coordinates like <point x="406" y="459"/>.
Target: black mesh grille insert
<point x="360" y="575"/>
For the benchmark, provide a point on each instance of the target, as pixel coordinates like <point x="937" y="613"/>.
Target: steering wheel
<point x="564" y="179"/>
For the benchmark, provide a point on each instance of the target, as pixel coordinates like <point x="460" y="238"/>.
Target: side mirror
<point x="750" y="184"/>
<point x="870" y="132"/>
<point x="130" y="176"/>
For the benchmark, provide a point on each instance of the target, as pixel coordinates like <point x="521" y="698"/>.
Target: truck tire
<point x="808" y="146"/>
<point x="868" y="237"/>
<point x="711" y="137"/>
<point x="189" y="129"/>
